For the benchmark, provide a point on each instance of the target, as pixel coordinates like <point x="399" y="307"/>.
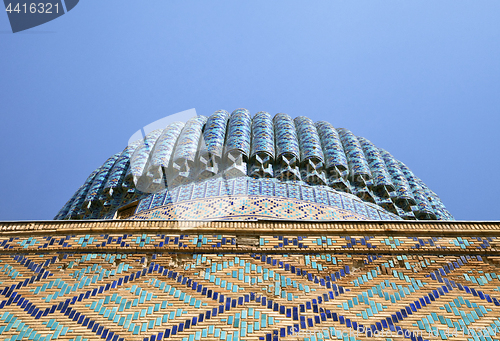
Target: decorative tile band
<point x="243" y="197"/>
<point x="61" y="287"/>
<point x="247" y="207"/>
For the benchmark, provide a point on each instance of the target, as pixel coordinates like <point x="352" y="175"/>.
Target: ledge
<point x="257" y="227"/>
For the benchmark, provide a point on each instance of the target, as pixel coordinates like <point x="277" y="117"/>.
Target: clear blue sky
<point x="420" y="79"/>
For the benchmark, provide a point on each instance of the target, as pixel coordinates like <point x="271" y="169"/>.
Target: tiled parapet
<point x="262" y="151"/>
<point x="287" y="160"/>
<point x="212" y="146"/>
<point x="150" y="280"/>
<point x="186" y="150"/>
<point x="311" y="153"/>
<point x="160" y="159"/>
<point x="237" y="151"/>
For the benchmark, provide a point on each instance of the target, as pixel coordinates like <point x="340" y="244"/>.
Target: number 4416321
<point x="33" y="8"/>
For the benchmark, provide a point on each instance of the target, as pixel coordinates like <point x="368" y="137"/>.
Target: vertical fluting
<point x="158" y="166"/>
<point x="95" y="190"/>
<point x="287" y="148"/>
<point x="383" y="187"/>
<point x="238" y="143"/>
<point x="212" y="146"/>
<point x="311" y="153"/>
<point x="423" y="210"/>
<point x="404" y="197"/>
<point x="186" y="151"/>
<point x="359" y="171"/>
<point x="262" y="150"/>
<point x="337" y="168"/>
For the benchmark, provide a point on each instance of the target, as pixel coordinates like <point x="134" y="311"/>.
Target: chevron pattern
<point x="153" y="286"/>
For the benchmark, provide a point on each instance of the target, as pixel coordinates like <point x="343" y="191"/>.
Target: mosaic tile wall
<point x="133" y="285"/>
<point x="235" y="145"/>
<point x="247" y="198"/>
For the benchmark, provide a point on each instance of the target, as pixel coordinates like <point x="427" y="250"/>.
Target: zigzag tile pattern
<point x="260" y="282"/>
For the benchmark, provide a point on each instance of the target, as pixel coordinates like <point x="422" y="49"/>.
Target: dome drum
<point x="207" y="152"/>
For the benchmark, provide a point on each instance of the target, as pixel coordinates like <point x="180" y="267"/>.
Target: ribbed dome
<point x="235" y="166"/>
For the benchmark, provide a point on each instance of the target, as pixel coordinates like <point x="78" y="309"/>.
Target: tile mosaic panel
<point x="267" y="187"/>
<point x="307" y="193"/>
<point x="199" y="190"/>
<point x="240" y="186"/>
<point x="347" y="204"/>
<point x="254" y="187"/>
<point x="185" y="192"/>
<point x="335" y="199"/>
<point x="212" y="188"/>
<point x="280" y="189"/>
<point x="376" y="287"/>
<point x="158" y="199"/>
<point x="372" y="212"/>
<point x="251" y="207"/>
<point x="226" y="187"/>
<point x="293" y="190"/>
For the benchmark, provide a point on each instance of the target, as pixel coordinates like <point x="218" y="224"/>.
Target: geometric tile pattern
<point x="243" y="207"/>
<point x="257" y="198"/>
<point x="130" y="283"/>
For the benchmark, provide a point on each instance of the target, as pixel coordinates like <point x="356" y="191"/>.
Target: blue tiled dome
<point x="235" y="166"/>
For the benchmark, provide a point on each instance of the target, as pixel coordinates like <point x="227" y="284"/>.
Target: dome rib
<point x="262" y="146"/>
